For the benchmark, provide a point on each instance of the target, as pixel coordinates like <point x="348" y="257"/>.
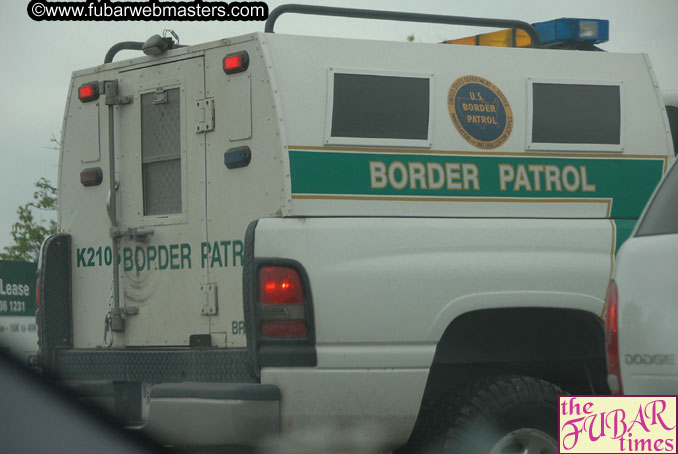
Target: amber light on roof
<point x="502" y="38"/>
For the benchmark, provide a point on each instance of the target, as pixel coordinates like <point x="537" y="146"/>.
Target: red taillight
<point x="280" y="285"/>
<point x="88" y="92"/>
<point x="284" y="329"/>
<point x="37" y="294"/>
<point x="236" y="62"/>
<point x="612" y="339"/>
<point x="282" y="309"/>
<point x="37" y="309"/>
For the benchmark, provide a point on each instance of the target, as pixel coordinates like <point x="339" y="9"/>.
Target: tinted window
<point x="567" y="113"/>
<point x="672" y="113"/>
<point x="380" y="107"/>
<point x="662" y="215"/>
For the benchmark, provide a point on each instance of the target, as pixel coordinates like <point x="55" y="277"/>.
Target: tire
<point x="502" y="415"/>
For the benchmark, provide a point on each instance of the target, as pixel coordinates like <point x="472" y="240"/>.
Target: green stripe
<point x="629" y="182"/>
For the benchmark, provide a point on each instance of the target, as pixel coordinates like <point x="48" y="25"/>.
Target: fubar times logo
<point x="617" y="424"/>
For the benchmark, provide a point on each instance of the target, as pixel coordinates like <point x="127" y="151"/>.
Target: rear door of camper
<point x="161" y="149"/>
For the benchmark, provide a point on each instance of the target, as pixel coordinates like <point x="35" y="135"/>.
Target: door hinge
<point x="112" y="96"/>
<point x="209" y="302"/>
<point x="205" y="120"/>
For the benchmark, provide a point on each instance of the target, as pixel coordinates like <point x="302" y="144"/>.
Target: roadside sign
<point x="18" y="331"/>
<point x="17" y="288"/>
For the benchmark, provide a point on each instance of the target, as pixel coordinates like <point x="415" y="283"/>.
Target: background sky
<point x="38" y="58"/>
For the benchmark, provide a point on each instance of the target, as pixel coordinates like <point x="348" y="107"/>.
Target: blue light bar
<point x="571" y="30"/>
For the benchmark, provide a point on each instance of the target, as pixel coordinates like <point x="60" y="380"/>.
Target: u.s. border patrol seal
<point x="480" y="112"/>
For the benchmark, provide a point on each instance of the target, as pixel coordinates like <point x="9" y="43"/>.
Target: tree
<point x="28" y="232"/>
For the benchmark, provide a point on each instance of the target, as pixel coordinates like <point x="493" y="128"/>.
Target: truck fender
<point x="507" y="300"/>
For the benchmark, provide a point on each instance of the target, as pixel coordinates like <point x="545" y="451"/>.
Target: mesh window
<point x="161" y="152"/>
<point x="162" y="187"/>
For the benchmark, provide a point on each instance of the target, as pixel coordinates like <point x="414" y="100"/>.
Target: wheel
<point x="503" y="415"/>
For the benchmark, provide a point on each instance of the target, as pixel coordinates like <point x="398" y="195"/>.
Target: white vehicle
<point x="641" y="314"/>
<point x="310" y="232"/>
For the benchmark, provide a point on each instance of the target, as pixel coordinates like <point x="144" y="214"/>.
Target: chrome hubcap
<point x="526" y="441"/>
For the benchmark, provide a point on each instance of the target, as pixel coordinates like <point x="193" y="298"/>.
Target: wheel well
<point x="563" y="346"/>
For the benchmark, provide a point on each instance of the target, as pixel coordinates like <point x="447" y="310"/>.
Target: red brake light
<point x="88" y="92"/>
<point x="611" y="300"/>
<point x="280" y="285"/>
<point x="37" y="293"/>
<point x="236" y="62"/>
<point x="612" y="338"/>
<point x="284" y="329"/>
<point x="282" y="308"/>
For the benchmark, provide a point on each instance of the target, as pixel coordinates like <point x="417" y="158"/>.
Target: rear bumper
<point x="197" y="413"/>
<point x="155" y="365"/>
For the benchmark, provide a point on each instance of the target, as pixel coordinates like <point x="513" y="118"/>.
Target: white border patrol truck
<point x="275" y="233"/>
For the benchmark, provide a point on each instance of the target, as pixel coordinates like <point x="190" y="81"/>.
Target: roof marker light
<point x="236" y="62"/>
<point x="88" y="92"/>
<point x="91" y="177"/>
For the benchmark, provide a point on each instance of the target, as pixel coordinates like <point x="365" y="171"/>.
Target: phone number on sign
<point x="12" y="306"/>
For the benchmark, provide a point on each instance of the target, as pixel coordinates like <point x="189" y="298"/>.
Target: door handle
<point x="134" y="233"/>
